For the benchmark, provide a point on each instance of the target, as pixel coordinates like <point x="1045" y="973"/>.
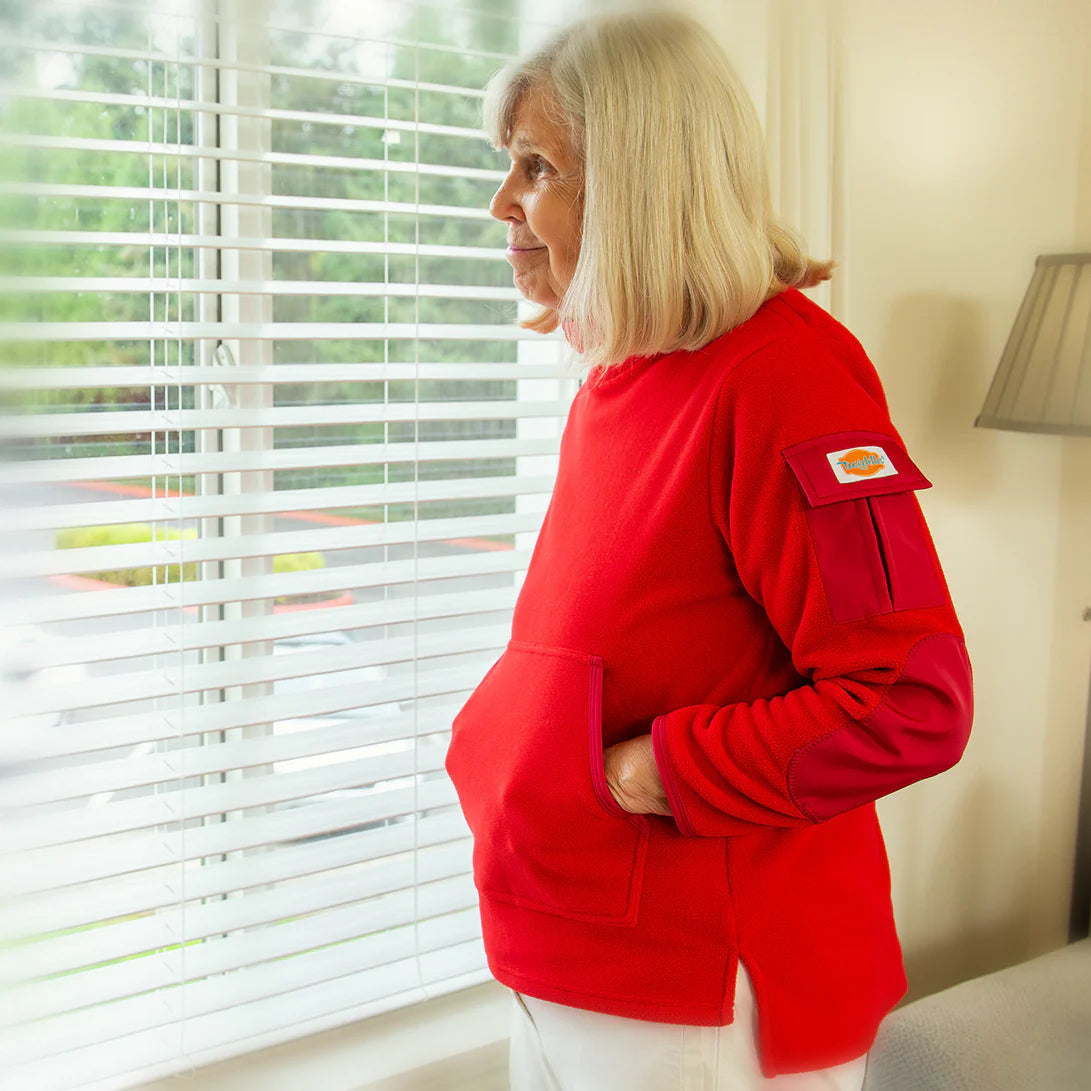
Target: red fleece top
<point x="734" y="560"/>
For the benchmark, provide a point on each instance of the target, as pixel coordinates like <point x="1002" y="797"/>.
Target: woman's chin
<point x="535" y="290"/>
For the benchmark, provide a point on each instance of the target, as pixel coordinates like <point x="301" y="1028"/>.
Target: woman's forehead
<point x="537" y="123"/>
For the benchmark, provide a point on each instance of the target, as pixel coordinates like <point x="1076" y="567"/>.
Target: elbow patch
<point x="919" y="729"/>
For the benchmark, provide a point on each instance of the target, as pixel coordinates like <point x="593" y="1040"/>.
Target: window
<point x="274" y="458"/>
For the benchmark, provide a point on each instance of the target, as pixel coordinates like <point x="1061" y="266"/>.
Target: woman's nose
<point x="503" y="205"/>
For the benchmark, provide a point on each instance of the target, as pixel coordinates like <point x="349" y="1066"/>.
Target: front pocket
<point x="526" y="761"/>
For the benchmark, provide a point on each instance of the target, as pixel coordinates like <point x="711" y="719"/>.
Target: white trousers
<point x="555" y="1047"/>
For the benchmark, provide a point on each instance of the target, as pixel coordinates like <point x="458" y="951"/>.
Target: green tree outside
<point x="431" y="43"/>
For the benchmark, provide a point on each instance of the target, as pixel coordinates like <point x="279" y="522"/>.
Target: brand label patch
<point x="860" y="463"/>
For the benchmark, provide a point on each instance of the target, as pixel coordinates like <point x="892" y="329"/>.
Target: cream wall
<point x="960" y="163"/>
<point x="1072" y="632"/>
<point x="944" y="140"/>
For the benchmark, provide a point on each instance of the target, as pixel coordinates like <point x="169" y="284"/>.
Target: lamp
<point x="1043" y="384"/>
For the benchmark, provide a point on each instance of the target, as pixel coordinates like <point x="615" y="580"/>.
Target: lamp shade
<point x="1043" y="381"/>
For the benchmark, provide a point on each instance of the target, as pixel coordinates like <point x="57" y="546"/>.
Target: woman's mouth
<point x="524" y="257"/>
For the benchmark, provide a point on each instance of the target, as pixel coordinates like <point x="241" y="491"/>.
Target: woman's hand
<point x="633" y="777"/>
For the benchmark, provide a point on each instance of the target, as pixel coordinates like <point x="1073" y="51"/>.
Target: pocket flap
<point x="847" y="465"/>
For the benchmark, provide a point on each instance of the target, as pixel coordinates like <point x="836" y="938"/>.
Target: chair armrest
<point x="1028" y="1026"/>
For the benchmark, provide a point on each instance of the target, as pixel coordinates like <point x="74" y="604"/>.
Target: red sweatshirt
<point x="733" y="559"/>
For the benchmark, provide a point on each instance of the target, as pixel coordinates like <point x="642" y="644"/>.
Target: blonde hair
<point x="679" y="241"/>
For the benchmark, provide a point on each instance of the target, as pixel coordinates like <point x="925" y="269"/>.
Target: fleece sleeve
<point x="814" y="496"/>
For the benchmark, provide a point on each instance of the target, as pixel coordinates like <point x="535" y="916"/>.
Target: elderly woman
<point x="734" y="634"/>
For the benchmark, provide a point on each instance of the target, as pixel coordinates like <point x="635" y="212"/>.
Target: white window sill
<point x="381" y="1048"/>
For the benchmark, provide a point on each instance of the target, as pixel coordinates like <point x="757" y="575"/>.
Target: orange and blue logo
<point x="861" y="463"/>
<point x="857" y="463"/>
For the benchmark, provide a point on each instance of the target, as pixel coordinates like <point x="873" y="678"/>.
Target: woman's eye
<point x="538" y="165"/>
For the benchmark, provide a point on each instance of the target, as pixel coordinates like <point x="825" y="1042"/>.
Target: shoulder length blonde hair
<point x="679" y="242"/>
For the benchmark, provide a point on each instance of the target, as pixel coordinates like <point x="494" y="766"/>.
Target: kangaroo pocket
<point x="526" y="761"/>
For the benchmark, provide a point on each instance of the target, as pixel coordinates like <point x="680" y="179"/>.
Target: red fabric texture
<point x="791" y="667"/>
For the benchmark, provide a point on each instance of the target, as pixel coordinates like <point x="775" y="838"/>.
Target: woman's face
<point x="541" y="201"/>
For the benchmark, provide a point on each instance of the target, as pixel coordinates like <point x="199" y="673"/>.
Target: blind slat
<point x="193" y="106"/>
<point x="377" y="890"/>
<point x="169" y="150"/>
<point x="242" y="200"/>
<point x="144" y="285"/>
<point x="224" y="18"/>
<point x="212" y="995"/>
<point x="88" y="378"/>
<point x="103" y="892"/>
<point x="173" y="551"/>
<point x="152" y="1055"/>
<point x="161" y="640"/>
<point x="189" y="420"/>
<point x="219" y="64"/>
<point x="279" y="331"/>
<point x="175" y="596"/>
<point x="168" y="240"/>
<point x="97" y="469"/>
<point x="163" y="681"/>
<point x="137" y="866"/>
<point x="29" y="833"/>
<point x="172" y="509"/>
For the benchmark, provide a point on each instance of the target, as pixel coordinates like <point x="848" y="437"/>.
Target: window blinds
<point x="275" y="452"/>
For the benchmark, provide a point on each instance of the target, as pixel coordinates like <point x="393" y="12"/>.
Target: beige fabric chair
<point x="1026" y="1028"/>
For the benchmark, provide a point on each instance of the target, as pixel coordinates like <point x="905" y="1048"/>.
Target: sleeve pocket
<point x="872" y="547"/>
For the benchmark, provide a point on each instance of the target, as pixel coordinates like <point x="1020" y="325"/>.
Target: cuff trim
<point x="666" y="775"/>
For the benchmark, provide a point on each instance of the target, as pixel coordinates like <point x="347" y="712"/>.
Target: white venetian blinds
<point x="274" y="453"/>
